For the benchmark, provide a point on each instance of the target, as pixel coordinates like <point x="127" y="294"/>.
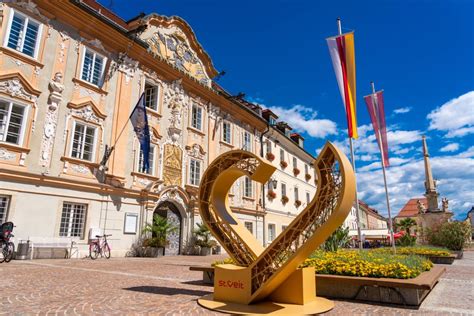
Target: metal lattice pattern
<point x="227" y="237"/>
<point x="303" y="227"/>
<point x="270" y="267"/>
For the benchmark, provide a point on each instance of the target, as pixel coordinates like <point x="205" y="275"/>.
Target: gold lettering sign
<point x="172" y="165"/>
<point x="268" y="280"/>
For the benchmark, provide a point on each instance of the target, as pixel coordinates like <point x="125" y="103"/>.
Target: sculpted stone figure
<point x="445" y="204"/>
<point x="57" y="88"/>
<point x="421" y="207"/>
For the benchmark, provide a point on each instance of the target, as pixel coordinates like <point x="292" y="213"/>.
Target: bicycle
<point x="7" y="248"/>
<point x="96" y="247"/>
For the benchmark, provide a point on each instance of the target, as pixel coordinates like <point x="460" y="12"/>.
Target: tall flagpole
<point x="390" y="223"/>
<point x="359" y="234"/>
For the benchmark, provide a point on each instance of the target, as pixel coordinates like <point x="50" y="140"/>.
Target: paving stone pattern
<point x="165" y="286"/>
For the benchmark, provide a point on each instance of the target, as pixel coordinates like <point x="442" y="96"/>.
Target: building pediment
<point x="17" y="86"/>
<point x="87" y="109"/>
<point x="173" y="40"/>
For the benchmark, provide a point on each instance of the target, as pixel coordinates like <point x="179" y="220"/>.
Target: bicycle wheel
<point x="2" y="252"/>
<point x="94" y="251"/>
<point x="10" y="250"/>
<point x="106" y="250"/>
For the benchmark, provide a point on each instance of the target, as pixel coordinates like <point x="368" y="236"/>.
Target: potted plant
<point x="159" y="229"/>
<point x="270" y="156"/>
<point x="307" y="177"/>
<point x="283" y="164"/>
<point x="296" y="171"/>
<point x="297" y="203"/>
<point x="271" y="194"/>
<point x="284" y="199"/>
<point x="203" y="239"/>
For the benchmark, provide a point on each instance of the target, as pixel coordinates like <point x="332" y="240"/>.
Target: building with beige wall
<point x="70" y="75"/>
<point x="372" y="224"/>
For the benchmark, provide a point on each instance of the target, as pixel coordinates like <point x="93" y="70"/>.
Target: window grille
<point x="195" y="172"/>
<point x="73" y="220"/>
<point x="151" y="161"/>
<point x="83" y="143"/>
<point x="12" y="120"/>
<point x="151" y="96"/>
<point x="4" y="201"/>
<point x="23" y="34"/>
<point x="196" y="121"/>
<point x="92" y="67"/>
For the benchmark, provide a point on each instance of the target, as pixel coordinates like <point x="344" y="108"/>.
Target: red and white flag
<point x="375" y="105"/>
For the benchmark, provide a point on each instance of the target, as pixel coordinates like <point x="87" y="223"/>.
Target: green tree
<point x="406" y="223"/>
<point x="160" y="228"/>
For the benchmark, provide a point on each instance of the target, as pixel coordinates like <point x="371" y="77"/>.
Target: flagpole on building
<point x="382" y="155"/>
<point x="359" y="234"/>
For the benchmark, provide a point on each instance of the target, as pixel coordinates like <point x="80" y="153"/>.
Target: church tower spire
<point x="430" y="186"/>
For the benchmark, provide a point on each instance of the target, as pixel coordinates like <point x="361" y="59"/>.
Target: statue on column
<point x="445" y="204"/>
<point x="421" y="207"/>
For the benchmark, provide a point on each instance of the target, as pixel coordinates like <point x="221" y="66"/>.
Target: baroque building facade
<point x="71" y="74"/>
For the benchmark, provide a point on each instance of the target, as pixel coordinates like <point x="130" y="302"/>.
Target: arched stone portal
<point x="170" y="211"/>
<point x="173" y="203"/>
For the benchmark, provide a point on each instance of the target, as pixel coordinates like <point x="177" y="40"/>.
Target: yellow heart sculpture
<point x="272" y="273"/>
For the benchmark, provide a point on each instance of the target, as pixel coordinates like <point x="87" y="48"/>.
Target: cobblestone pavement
<point x="165" y="286"/>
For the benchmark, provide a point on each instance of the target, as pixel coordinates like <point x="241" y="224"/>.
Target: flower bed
<point x="368" y="264"/>
<point x="421" y="251"/>
<point x="375" y="264"/>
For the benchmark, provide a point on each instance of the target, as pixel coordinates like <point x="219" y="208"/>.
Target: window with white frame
<point x="269" y="147"/>
<point x="308" y="198"/>
<point x="23" y="34"/>
<point x="12" y="122"/>
<point x="296" y="194"/>
<point x="295" y="162"/>
<point x="249" y="226"/>
<point x="247" y="144"/>
<point x="152" y="93"/>
<point x="151" y="161"/>
<point x="282" y="155"/>
<point x="283" y="189"/>
<point x="83" y="141"/>
<point x="196" y="117"/>
<point x="271" y="232"/>
<point x="93" y="66"/>
<point x="4" y="201"/>
<point x="306" y="169"/>
<point x="73" y="219"/>
<point x="248" y="187"/>
<point x="226" y="132"/>
<point x="194" y="171"/>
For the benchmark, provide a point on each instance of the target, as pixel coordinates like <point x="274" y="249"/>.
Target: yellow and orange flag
<point x="342" y="52"/>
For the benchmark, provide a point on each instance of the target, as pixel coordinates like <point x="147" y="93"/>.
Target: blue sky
<point x="419" y="52"/>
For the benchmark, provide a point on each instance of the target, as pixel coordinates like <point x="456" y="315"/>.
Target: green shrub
<point x="406" y="241"/>
<point x="338" y="239"/>
<point x="452" y="235"/>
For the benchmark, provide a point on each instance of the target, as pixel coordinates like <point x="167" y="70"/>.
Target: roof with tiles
<point x="411" y="208"/>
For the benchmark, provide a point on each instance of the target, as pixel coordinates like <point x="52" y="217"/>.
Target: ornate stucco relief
<point x="87" y="114"/>
<point x="172" y="45"/>
<point x="175" y="98"/>
<point x="196" y="151"/>
<point x="172" y="165"/>
<point x="172" y="194"/>
<point x="128" y="66"/>
<point x="51" y="119"/>
<point x="15" y="88"/>
<point x="80" y="169"/>
<point x="6" y="155"/>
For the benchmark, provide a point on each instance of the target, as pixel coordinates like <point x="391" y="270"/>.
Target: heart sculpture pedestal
<point x="295" y="296"/>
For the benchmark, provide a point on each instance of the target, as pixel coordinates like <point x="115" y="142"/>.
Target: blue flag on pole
<point x="140" y="125"/>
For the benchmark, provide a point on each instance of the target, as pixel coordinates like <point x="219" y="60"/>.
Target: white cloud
<point x="450" y="147"/>
<point x="402" y="110"/>
<point x="303" y="119"/>
<point x="406" y="181"/>
<point x="456" y="117"/>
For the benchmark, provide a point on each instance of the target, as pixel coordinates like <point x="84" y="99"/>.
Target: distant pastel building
<point x="373" y="225"/>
